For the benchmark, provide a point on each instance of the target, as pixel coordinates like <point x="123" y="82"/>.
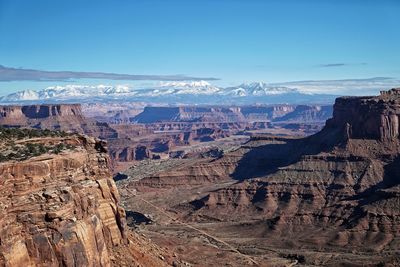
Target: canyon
<point x="60" y="206"/>
<point x="329" y="199"/>
<point x="248" y="186"/>
<point x="199" y="133"/>
<point x="136" y="133"/>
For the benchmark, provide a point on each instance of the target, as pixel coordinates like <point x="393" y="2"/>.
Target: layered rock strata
<point x="231" y="113"/>
<point x="60" y="210"/>
<point x="64" y="117"/>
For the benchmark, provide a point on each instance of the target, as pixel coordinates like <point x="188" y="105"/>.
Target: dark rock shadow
<point x="134" y="218"/>
<point x="120" y="176"/>
<point x="380" y="191"/>
<point x="267" y="159"/>
<point x="390" y="179"/>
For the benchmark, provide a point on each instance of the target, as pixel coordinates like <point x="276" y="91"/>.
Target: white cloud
<point x="344" y="87"/>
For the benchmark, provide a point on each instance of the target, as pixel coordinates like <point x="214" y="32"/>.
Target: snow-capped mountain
<point x="67" y="92"/>
<point x="26" y="95"/>
<point x="258" y="89"/>
<point x="200" y="92"/>
<point x="179" y="88"/>
<point x="197" y="87"/>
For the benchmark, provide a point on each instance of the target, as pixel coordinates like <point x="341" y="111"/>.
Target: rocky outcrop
<point x="60" y="210"/>
<point x="138" y="147"/>
<point x="262" y="113"/>
<point x="127" y="154"/>
<point x="64" y="117"/>
<point x="304" y="114"/>
<point x="368" y="117"/>
<point x="20" y="114"/>
<point x="40" y="111"/>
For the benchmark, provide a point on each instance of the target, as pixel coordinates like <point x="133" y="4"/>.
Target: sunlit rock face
<point x="60" y="210"/>
<point x="369" y="117"/>
<point x="64" y="117"/>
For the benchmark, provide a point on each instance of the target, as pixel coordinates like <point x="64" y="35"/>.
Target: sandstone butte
<point x="64" y="210"/>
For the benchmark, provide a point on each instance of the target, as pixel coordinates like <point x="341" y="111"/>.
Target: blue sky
<point x="232" y="40"/>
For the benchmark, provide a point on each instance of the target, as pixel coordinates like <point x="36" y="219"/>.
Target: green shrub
<point x="8" y="136"/>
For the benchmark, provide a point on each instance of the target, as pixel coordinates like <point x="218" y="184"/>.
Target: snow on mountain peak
<point x="194" y="87"/>
<point x="260" y="89"/>
<point x="186" y="84"/>
<point x="176" y="89"/>
<point x="21" y="96"/>
<point x="119" y="89"/>
<point x="254" y="85"/>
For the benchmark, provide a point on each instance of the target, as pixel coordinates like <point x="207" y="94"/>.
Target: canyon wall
<point x="64" y="117"/>
<point x="304" y="114"/>
<point x="60" y="210"/>
<point x="368" y="117"/>
<point x="232" y="114"/>
<point x="15" y="115"/>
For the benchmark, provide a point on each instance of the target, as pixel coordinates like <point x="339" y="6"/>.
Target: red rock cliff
<point x="369" y="117"/>
<point x="60" y="210"/>
<point x="65" y="117"/>
<point x="40" y="111"/>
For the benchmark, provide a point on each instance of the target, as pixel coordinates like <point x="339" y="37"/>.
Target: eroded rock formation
<point x="369" y="117"/>
<point x="304" y="114"/>
<point x="60" y="210"/>
<point x="217" y="114"/>
<point x="65" y="117"/>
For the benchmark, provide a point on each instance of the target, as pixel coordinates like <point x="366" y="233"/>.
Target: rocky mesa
<point x="64" y="117"/>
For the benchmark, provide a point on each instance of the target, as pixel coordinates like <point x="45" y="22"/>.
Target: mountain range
<point x="198" y="92"/>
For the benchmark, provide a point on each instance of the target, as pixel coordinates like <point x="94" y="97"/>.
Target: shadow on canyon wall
<point x="267" y="159"/>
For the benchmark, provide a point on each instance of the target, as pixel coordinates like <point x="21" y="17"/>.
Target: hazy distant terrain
<point x="200" y="92"/>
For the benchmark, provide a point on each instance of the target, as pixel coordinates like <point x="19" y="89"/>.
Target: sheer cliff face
<point x="211" y="114"/>
<point x="304" y="114"/>
<point x="23" y="113"/>
<point x="369" y="117"/>
<point x="65" y="117"/>
<point x="60" y="209"/>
